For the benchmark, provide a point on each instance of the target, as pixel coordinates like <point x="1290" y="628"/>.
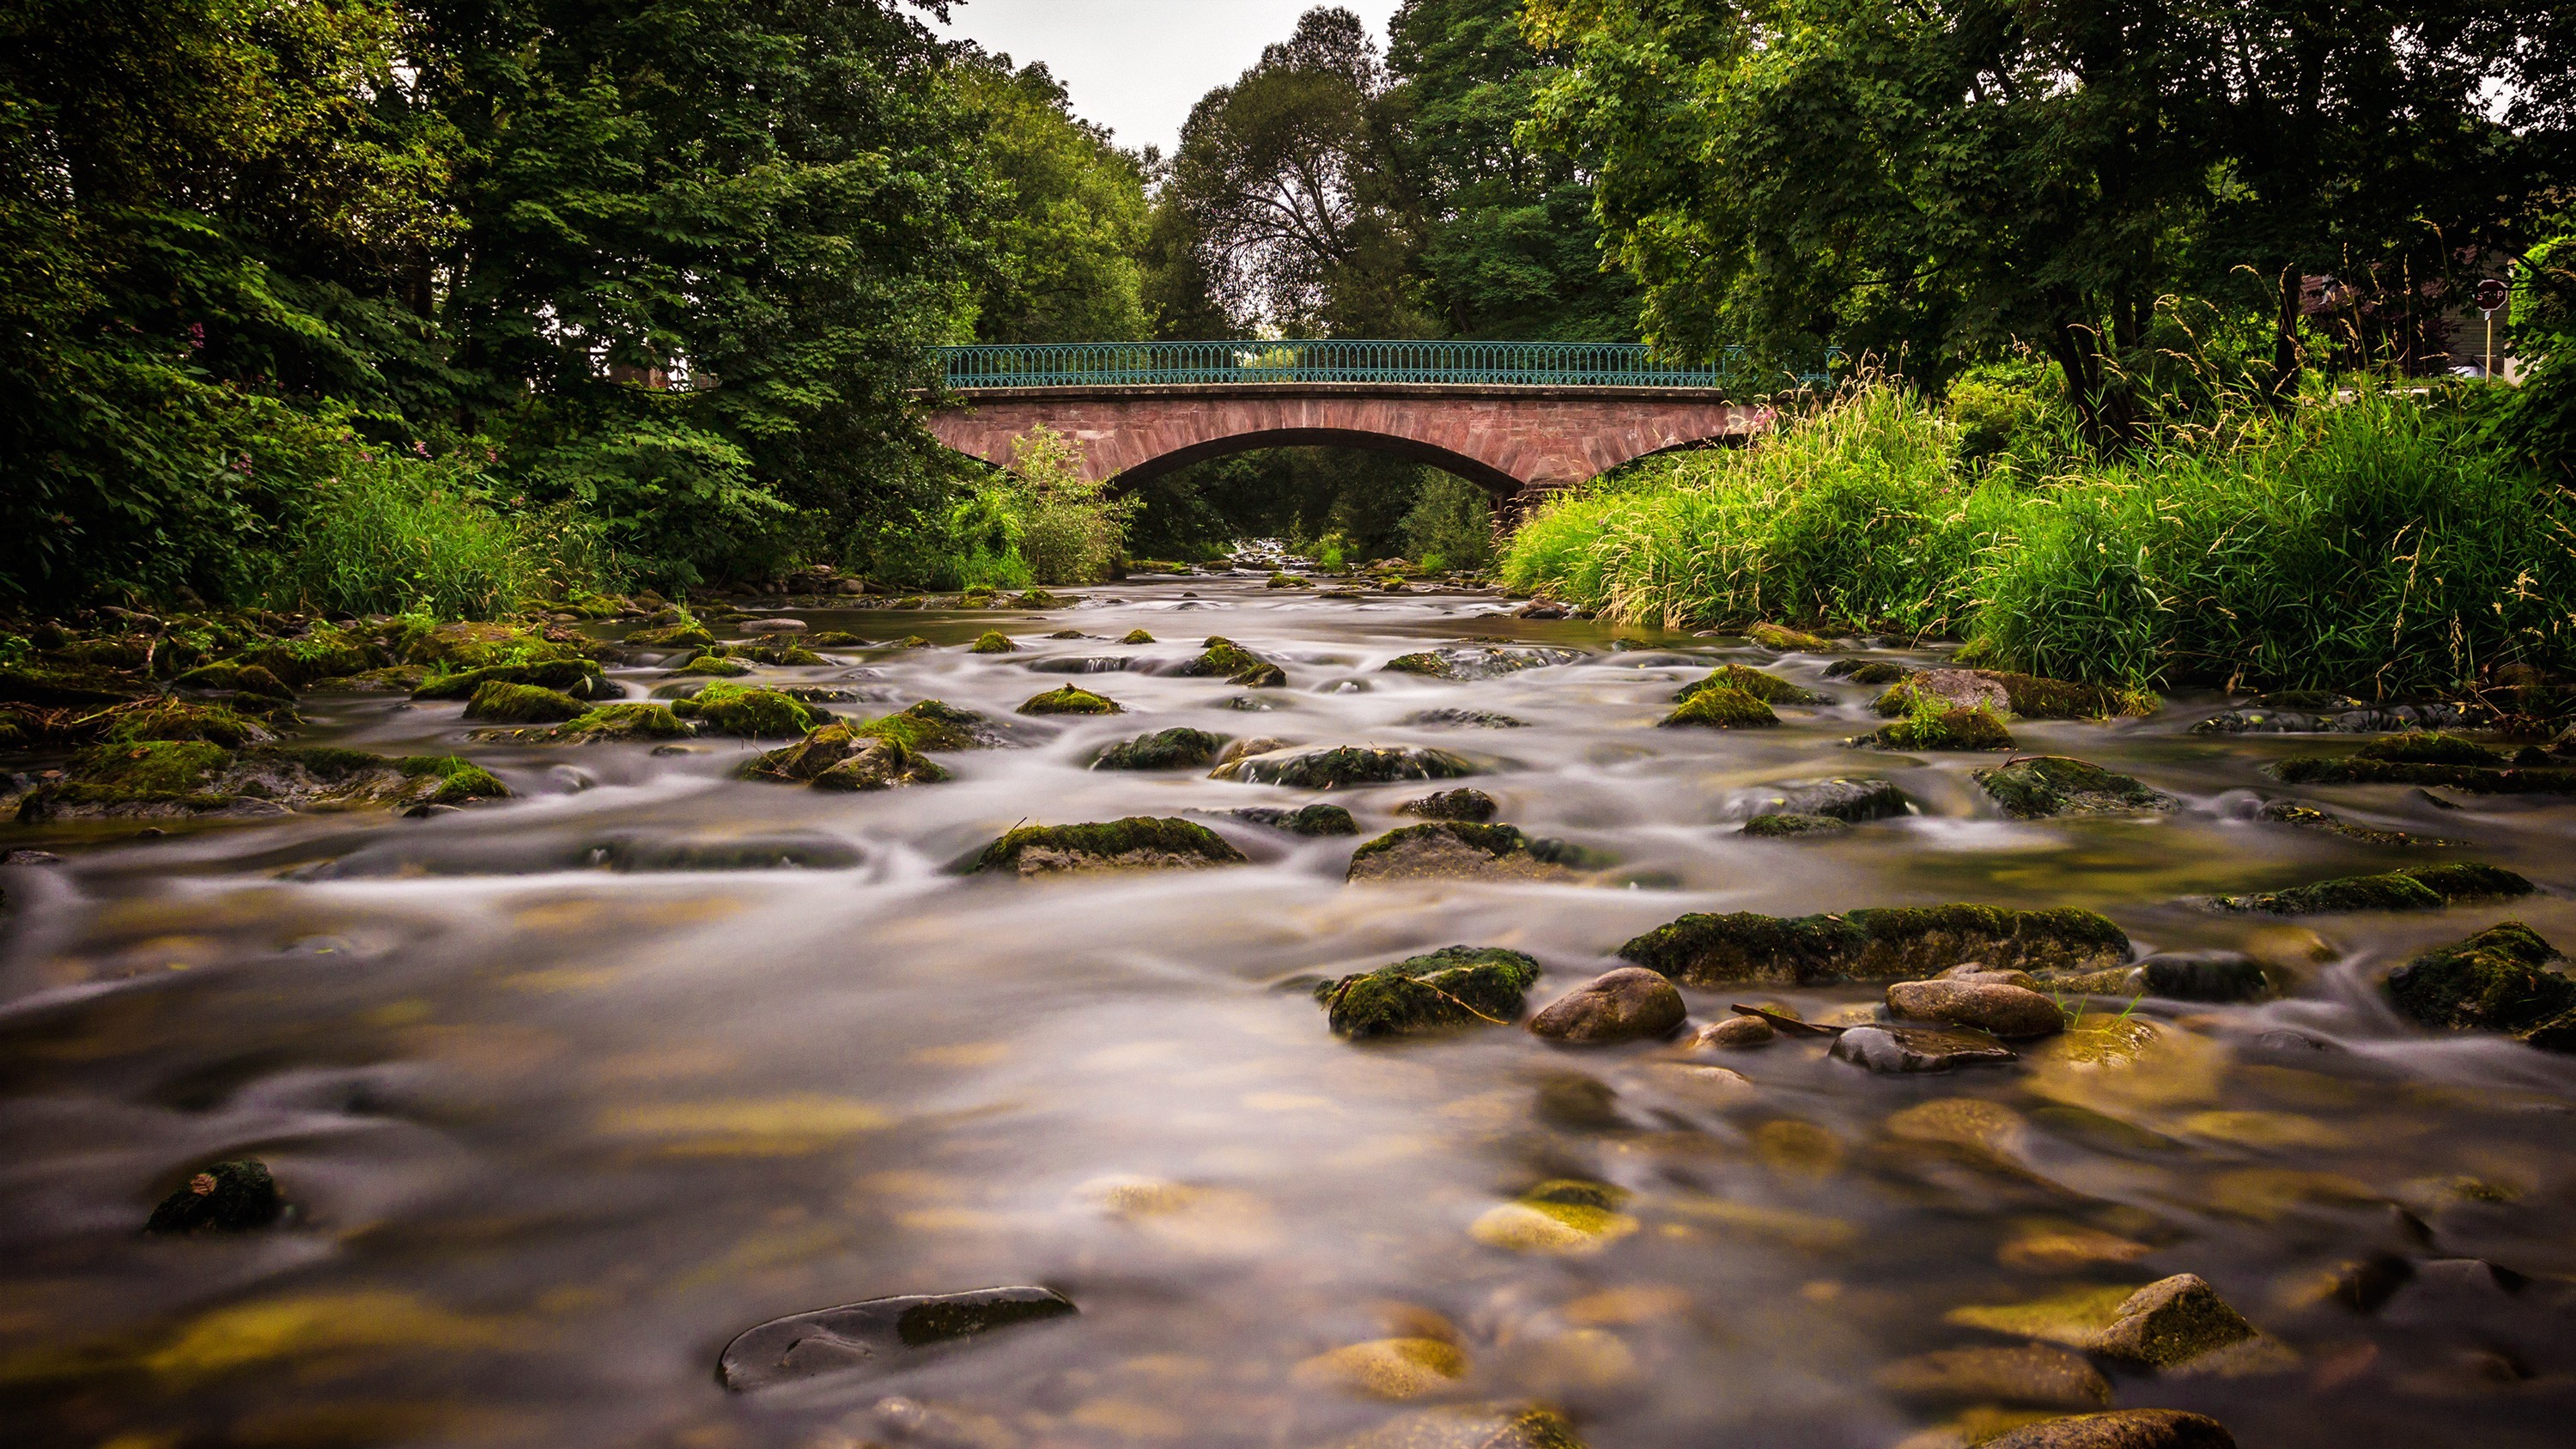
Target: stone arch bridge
<point x="1518" y="419"/>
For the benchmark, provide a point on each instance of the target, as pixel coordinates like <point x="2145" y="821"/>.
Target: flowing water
<point x="568" y="1091"/>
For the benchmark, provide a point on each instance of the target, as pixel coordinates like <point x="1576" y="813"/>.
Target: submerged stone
<point x="1854" y="800"/>
<point x="1455" y="986"/>
<point x="1909" y="1049"/>
<point x="1136" y="843"/>
<point x="2308" y="817"/>
<point x="1470" y="1426"/>
<point x="228" y="1197"/>
<point x="1885" y="944"/>
<point x="1626" y="1004"/>
<point x="751" y="713"/>
<point x="1179" y="748"/>
<point x="1719" y="707"/>
<point x="1788" y="641"/>
<point x="875" y="1334"/>
<point x="522" y="704"/>
<point x="1866" y="671"/>
<point x="1768" y="688"/>
<point x="2214" y="976"/>
<point x="1306" y="820"/>
<point x="1957" y="729"/>
<point x="1081" y="664"/>
<point x="1222" y="658"/>
<point x="2049" y="785"/>
<point x="1480" y="663"/>
<point x="1386" y="1368"/>
<point x="1068" y="699"/>
<point x="2173" y="1323"/>
<point x="2033" y="1374"/>
<point x="1790" y="827"/>
<point x="1334" y="766"/>
<point x="1464" y="803"/>
<point x="1995" y="1007"/>
<point x="1452" y="850"/>
<point x="2506" y="978"/>
<point x="1566" y="1217"/>
<point x="1485" y="719"/>
<point x="2416" y="888"/>
<point x="642" y="853"/>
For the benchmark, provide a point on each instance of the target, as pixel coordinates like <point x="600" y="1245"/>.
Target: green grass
<point x="2373" y="545"/>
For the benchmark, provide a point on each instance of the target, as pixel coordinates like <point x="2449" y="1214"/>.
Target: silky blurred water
<point x="557" y="1130"/>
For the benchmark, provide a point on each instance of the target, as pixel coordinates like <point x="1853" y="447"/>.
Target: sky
<point x="1137" y="66"/>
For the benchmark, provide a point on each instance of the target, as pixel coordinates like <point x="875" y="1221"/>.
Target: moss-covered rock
<point x="164" y="779"/>
<point x="935" y="724"/>
<point x="1564" y="1216"/>
<point x="881" y="764"/>
<point x="809" y="757"/>
<point x="1179" y="748"/>
<point x="2114" y="1429"/>
<point x="2308" y="817"/>
<point x="1788" y="641"/>
<point x="323" y="652"/>
<point x="2432" y="747"/>
<point x="1135" y="843"/>
<point x="612" y="723"/>
<point x="1335" y="766"/>
<point x="472" y="645"/>
<point x="1286" y="581"/>
<point x="1768" y="688"/>
<point x="1853" y="799"/>
<point x="780" y="656"/>
<point x="1464" y="803"/>
<point x="713" y="666"/>
<point x="1453" y="850"/>
<point x="2474" y="779"/>
<point x="673" y="636"/>
<point x="1036" y="598"/>
<point x="1791" y="827"/>
<point x="2042" y="786"/>
<point x="1957" y="729"/>
<point x="1070" y="699"/>
<point x="1478" y="663"/>
<point x="500" y="703"/>
<point x="1866" y="671"/>
<point x="2168" y="1324"/>
<point x="579" y="678"/>
<point x="227" y="1197"/>
<point x="835" y="639"/>
<point x="2227" y="976"/>
<point x="736" y="709"/>
<point x="1455" y="986"/>
<point x="53" y="685"/>
<point x="1720" y="707"/>
<point x="1483" y="719"/>
<point x="1315" y="819"/>
<point x="2416" y="888"/>
<point x="1222" y="658"/>
<point x="2506" y="978"/>
<point x="2003" y="692"/>
<point x="992" y="641"/>
<point x="1135" y="636"/>
<point x="171" y="719"/>
<point x="1889" y="944"/>
<point x="230" y="678"/>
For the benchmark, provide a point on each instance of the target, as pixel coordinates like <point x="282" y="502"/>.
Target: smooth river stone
<point x="861" y="1335"/>
<point x="1628" y="1004"/>
<point x="1991" y="1006"/>
<point x="1918" y="1049"/>
<point x="2121" y="1429"/>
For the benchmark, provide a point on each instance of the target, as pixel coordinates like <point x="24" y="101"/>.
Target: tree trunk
<point x="2103" y="408"/>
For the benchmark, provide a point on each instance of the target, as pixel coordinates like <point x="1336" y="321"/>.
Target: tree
<point x="1069" y="226"/>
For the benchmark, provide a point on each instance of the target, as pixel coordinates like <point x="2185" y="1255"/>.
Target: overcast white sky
<point x="1137" y="66"/>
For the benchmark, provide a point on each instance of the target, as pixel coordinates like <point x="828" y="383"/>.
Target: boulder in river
<point x="1481" y="663"/>
<point x="1790" y="827"/>
<point x="1331" y="767"/>
<point x="1630" y="1003"/>
<point x="2040" y="786"/>
<point x="1568" y="1217"/>
<point x="2119" y="1429"/>
<point x="1463" y="803"/>
<point x="1993" y="1007"/>
<point x="1136" y="636"/>
<point x="1317" y="819"/>
<point x="227" y="1197"/>
<point x="1719" y="707"/>
<point x="2415" y="888"/>
<point x="1766" y="687"/>
<point x="1883" y="944"/>
<point x="879" y="1333"/>
<point x="1070" y="699"/>
<point x="1854" y="799"/>
<point x="1455" y="986"/>
<point x="1733" y="1034"/>
<point x="2173" y="1323"/>
<point x="2034" y="1374"/>
<point x="500" y="703"/>
<point x="714" y="666"/>
<point x="1782" y="640"/>
<point x="992" y="641"/>
<point x="1222" y="658"/>
<point x="1866" y="671"/>
<point x="2330" y="714"/>
<point x="1453" y="850"/>
<point x="1909" y="1049"/>
<point x="2218" y="976"/>
<point x="165" y="779"/>
<point x="935" y="724"/>
<point x="579" y="678"/>
<point x="1957" y="729"/>
<point x="2505" y="978"/>
<point x="1135" y="843"/>
<point x="875" y="763"/>
<point x="737" y="709"/>
<point x="1178" y="748"/>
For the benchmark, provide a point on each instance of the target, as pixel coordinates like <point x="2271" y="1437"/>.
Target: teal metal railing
<point x="1521" y="364"/>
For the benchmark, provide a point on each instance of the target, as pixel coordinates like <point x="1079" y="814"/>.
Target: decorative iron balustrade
<point x="1509" y="364"/>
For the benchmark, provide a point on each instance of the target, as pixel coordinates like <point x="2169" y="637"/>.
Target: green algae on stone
<point x="1037" y="598"/>
<point x="1137" y="842"/>
<point x="1790" y="827"/>
<point x="1866" y="671"/>
<point x="2041" y="786"/>
<point x="992" y="641"/>
<point x="2027" y="695"/>
<point x="501" y="703"/>
<point x="1178" y="748"/>
<point x="1455" y="986"/>
<point x="2415" y="888"/>
<point x="2505" y="978"/>
<point x="1768" y="688"/>
<point x="1069" y="699"/>
<point x="1222" y="658"/>
<point x="880" y="764"/>
<point x="1720" y="707"/>
<point x="935" y="724"/>
<point x="579" y="678"/>
<point x="1885" y="944"/>
<point x="752" y="713"/>
<point x="1452" y="849"/>
<point x="1788" y="641"/>
<point x="2173" y="1323"/>
<point x="1136" y="636"/>
<point x="780" y="656"/>
<point x="171" y="719"/>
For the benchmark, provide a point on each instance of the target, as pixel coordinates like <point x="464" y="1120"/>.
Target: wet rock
<point x="1854" y="800"/>
<point x="2049" y="785"/>
<point x="1470" y="1426"/>
<point x="2506" y="978"/>
<point x="881" y="764"/>
<point x="1886" y="944"/>
<point x="1958" y="729"/>
<point x="610" y="723"/>
<point x="250" y="680"/>
<point x="1768" y="688"/>
<point x="175" y="779"/>
<point x="579" y="678"/>
<point x="1566" y="1216"/>
<point x="1135" y="843"/>
<point x="1222" y="658"/>
<point x="744" y="711"/>
<point x="640" y="853"/>
<point x="780" y="656"/>
<point x="774" y="626"/>
<point x="2172" y="1323"/>
<point x="992" y="641"/>
<point x="1788" y="641"/>
<point x="1452" y="850"/>
<point x="672" y="636"/>
<point x="934" y="724"/>
<point x="1484" y="719"/>
<point x="2430" y="760"/>
<point x="835" y="639"/>
<point x="2308" y="817"/>
<point x="875" y="1334"/>
<point x="2329" y="714"/>
<point x="30" y="857"/>
<point x="1331" y="767"/>
<point x="1734" y="1034"/>
<point x="228" y="1197"/>
<point x="2034" y="1374"/>
<point x="1306" y="820"/>
<point x="2416" y="888"/>
<point x="51" y="685"/>
<point x="1480" y="663"/>
<point x="1464" y="803"/>
<point x="1456" y="986"/>
<point x="1179" y="748"/>
<point x="1989" y="1006"/>
<point x="1068" y="699"/>
<point x="1719" y="707"/>
<point x="2214" y="976"/>
<point x="522" y="704"/>
<point x="1386" y="1368"/>
<point x="1136" y="636"/>
<point x="1980" y="971"/>
<point x="1906" y="1049"/>
<point x="1626" y="1004"/>
<point x="1866" y="671"/>
<point x="1081" y="664"/>
<point x="2005" y="693"/>
<point x="2120" y="1429"/>
<point x="1787" y="827"/>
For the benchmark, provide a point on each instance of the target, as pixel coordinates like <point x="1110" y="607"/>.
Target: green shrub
<point x="386" y="533"/>
<point x="1450" y="526"/>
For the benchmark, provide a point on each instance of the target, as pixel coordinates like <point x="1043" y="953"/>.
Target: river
<point x="567" y="1091"/>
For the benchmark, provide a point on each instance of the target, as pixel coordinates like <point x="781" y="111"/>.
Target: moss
<point x="1340" y="765"/>
<point x="1494" y="840"/>
<point x="2475" y="779"/>
<point x="1041" y="599"/>
<point x="878" y="764"/>
<point x="321" y="654"/>
<point x="504" y="703"/>
<point x="171" y="719"/>
<point x="1785" y="827"/>
<point x="2165" y="1324"/>
<point x="1220" y="657"/>
<point x="1136" y="636"/>
<point x="1866" y="671"/>
<point x="934" y="724"/>
<point x="1306" y="820"/>
<point x="2308" y="817"/>
<point x="612" y="722"/>
<point x="1069" y="699"/>
<point x="2033" y="697"/>
<point x="151" y="769"/>
<point x="2431" y="747"/>
<point x="237" y="678"/>
<point x="1788" y="641"/>
<point x="714" y="666"/>
<point x="579" y="678"/>
<point x="459" y="779"/>
<point x="835" y="639"/>
<point x="1171" y="749"/>
<point x="781" y="656"/>
<point x="1720" y="707"/>
<point x="805" y="759"/>
<point x="60" y="686"/>
<point x="1422" y="663"/>
<point x="2047" y="785"/>
<point x="472" y="646"/>
<point x="2505" y="978"/>
<point x="2417" y="888"/>
<point x="976" y="596"/>
<point x="673" y="636"/>
<point x="1956" y="729"/>
<point x="992" y="641"/>
<point x="1456" y="986"/>
<point x="1286" y="581"/>
<point x="1889" y="944"/>
<point x="1768" y="688"/>
<point x="736" y="709"/>
<point x="1137" y="840"/>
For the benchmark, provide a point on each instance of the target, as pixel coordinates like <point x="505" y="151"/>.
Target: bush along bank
<point x="2375" y="546"/>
